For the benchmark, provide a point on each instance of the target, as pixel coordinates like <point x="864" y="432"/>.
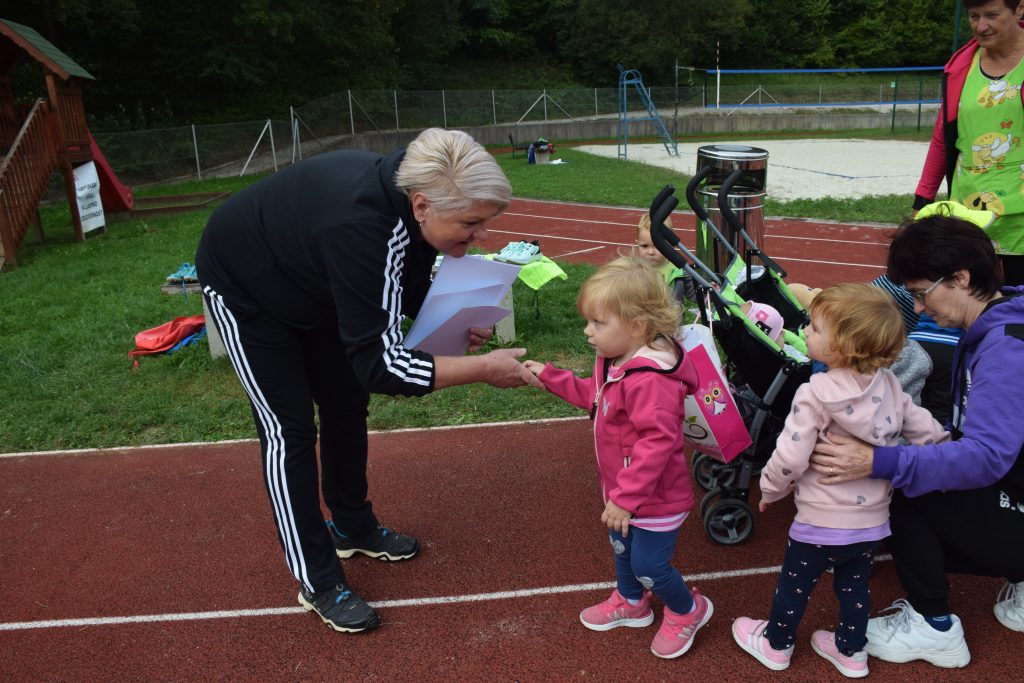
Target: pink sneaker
<point x="675" y="636"/>
<point x="616" y="611"/>
<point x="749" y="635"/>
<point x="824" y="643"/>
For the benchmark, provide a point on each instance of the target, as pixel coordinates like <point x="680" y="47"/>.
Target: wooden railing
<point x="24" y="173"/>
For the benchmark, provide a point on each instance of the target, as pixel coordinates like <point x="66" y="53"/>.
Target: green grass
<point x="69" y="313"/>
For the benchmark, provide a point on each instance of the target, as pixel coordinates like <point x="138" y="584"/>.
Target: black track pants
<point x="285" y="371"/>
<point x="976" y="532"/>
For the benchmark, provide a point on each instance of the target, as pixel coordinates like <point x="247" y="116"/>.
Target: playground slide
<point x="116" y="195"/>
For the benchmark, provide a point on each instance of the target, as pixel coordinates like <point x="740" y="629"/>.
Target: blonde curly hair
<point x="867" y="330"/>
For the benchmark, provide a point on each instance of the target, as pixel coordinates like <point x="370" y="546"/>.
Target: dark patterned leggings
<point x="803" y="566"/>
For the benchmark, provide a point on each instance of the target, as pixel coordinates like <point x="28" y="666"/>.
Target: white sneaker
<point x="1009" y="606"/>
<point x="904" y="636"/>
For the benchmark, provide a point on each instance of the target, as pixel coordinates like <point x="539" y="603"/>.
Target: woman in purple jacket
<point x="959" y="505"/>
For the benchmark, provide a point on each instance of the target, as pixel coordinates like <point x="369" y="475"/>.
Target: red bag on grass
<point x="162" y="337"/>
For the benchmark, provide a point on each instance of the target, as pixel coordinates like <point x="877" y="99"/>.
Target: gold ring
<point x="831" y="471"/>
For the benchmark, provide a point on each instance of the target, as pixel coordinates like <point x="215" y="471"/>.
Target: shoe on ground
<point x="382" y="543"/>
<point x="854" y="666"/>
<point x="1009" y="608"/>
<point x="904" y="635"/>
<point x="749" y="635"/>
<point x="676" y="634"/>
<point x="616" y="611"/>
<point x="340" y="608"/>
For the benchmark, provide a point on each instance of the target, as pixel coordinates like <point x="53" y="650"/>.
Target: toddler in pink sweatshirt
<point x="856" y="331"/>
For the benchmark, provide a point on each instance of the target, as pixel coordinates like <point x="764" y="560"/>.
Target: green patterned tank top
<point x="990" y="170"/>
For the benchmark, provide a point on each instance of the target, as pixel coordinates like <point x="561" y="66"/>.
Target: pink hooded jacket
<point x="638" y="435"/>
<point x="843" y="401"/>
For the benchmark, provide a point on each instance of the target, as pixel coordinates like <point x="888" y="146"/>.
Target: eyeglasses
<point x="921" y="296"/>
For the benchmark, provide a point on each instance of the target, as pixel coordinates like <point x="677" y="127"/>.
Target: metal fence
<point x="171" y="154"/>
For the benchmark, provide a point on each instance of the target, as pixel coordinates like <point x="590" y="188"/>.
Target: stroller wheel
<point x="709" y="498"/>
<point x="711" y="473"/>
<point x="729" y="521"/>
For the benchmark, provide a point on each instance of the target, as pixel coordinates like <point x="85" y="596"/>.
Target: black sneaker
<point x="340" y="608"/>
<point x="381" y="543"/>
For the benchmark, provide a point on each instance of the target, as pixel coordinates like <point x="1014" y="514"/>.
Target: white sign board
<point x="87" y="188"/>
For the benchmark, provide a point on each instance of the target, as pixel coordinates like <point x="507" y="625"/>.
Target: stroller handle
<point x="698" y="208"/>
<point x="667" y="242"/>
<point x="734" y="221"/>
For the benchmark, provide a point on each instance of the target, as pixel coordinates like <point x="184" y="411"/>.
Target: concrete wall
<point x="691" y="123"/>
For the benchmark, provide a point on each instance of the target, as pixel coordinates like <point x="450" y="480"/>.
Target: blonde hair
<point x="453" y="171"/>
<point x="866" y="327"/>
<point x="645" y="223"/>
<point x="633" y="291"/>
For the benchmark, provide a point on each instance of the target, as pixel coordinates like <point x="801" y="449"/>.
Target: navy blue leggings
<point x="803" y="566"/>
<point x="643" y="561"/>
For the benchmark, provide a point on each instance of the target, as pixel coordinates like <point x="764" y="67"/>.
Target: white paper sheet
<point x="466" y="292"/>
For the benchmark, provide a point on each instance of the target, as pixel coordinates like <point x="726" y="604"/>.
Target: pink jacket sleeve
<point x="656" y="415"/>
<point x="934" y="171"/>
<point x="793" y="450"/>
<point x="568" y="387"/>
<point x="919" y="427"/>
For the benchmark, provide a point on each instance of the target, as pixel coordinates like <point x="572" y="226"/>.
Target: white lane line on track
<point x="578" y="251"/>
<point x="379" y="604"/>
<point x="164" y="446"/>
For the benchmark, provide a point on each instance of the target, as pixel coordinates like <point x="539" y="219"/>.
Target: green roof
<point x="42" y="50"/>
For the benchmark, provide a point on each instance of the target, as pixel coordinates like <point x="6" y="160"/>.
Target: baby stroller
<point x="764" y="375"/>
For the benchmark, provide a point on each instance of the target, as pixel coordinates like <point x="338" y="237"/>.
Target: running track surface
<point x="163" y="564"/>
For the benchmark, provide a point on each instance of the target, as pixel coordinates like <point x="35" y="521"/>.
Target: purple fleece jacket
<point x="987" y="407"/>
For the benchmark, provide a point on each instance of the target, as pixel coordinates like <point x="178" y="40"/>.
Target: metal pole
<point x="291" y="122"/>
<point x="444" y="109"/>
<point x="351" y="116"/>
<point x="920" y="96"/>
<point x="253" y="152"/>
<point x="718" y="78"/>
<point x="494" y="108"/>
<point x="397" y="127"/>
<point x="195" y="146"/>
<point x="895" y="90"/>
<point x="273" y="150"/>
<point x="596" y="113"/>
<point x="545" y="105"/>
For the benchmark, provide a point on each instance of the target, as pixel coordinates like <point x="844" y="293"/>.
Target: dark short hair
<point x="1011" y="4"/>
<point x="938" y="246"/>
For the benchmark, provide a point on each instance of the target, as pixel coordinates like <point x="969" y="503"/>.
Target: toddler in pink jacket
<point x="635" y="397"/>
<point x="857" y="331"/>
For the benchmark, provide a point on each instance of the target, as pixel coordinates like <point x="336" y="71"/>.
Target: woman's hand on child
<point x="616" y="518"/>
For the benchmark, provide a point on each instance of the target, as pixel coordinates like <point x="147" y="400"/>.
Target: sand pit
<point x="809" y="169"/>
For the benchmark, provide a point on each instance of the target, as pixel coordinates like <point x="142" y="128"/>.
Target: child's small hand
<point x="762" y="506"/>
<point x="534" y="367"/>
<point x="616" y="518"/>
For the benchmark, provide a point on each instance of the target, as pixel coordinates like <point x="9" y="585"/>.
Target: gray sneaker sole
<point x="953" y="659"/>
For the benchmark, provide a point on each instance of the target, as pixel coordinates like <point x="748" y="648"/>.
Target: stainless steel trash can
<point x="745" y="198"/>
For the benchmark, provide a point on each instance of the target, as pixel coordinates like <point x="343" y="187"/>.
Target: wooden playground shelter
<point x="37" y="137"/>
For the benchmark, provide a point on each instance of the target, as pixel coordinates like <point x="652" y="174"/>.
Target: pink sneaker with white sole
<point x="675" y="636"/>
<point x="749" y="635"/>
<point x="854" y="666"/>
<point x="616" y="611"/>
